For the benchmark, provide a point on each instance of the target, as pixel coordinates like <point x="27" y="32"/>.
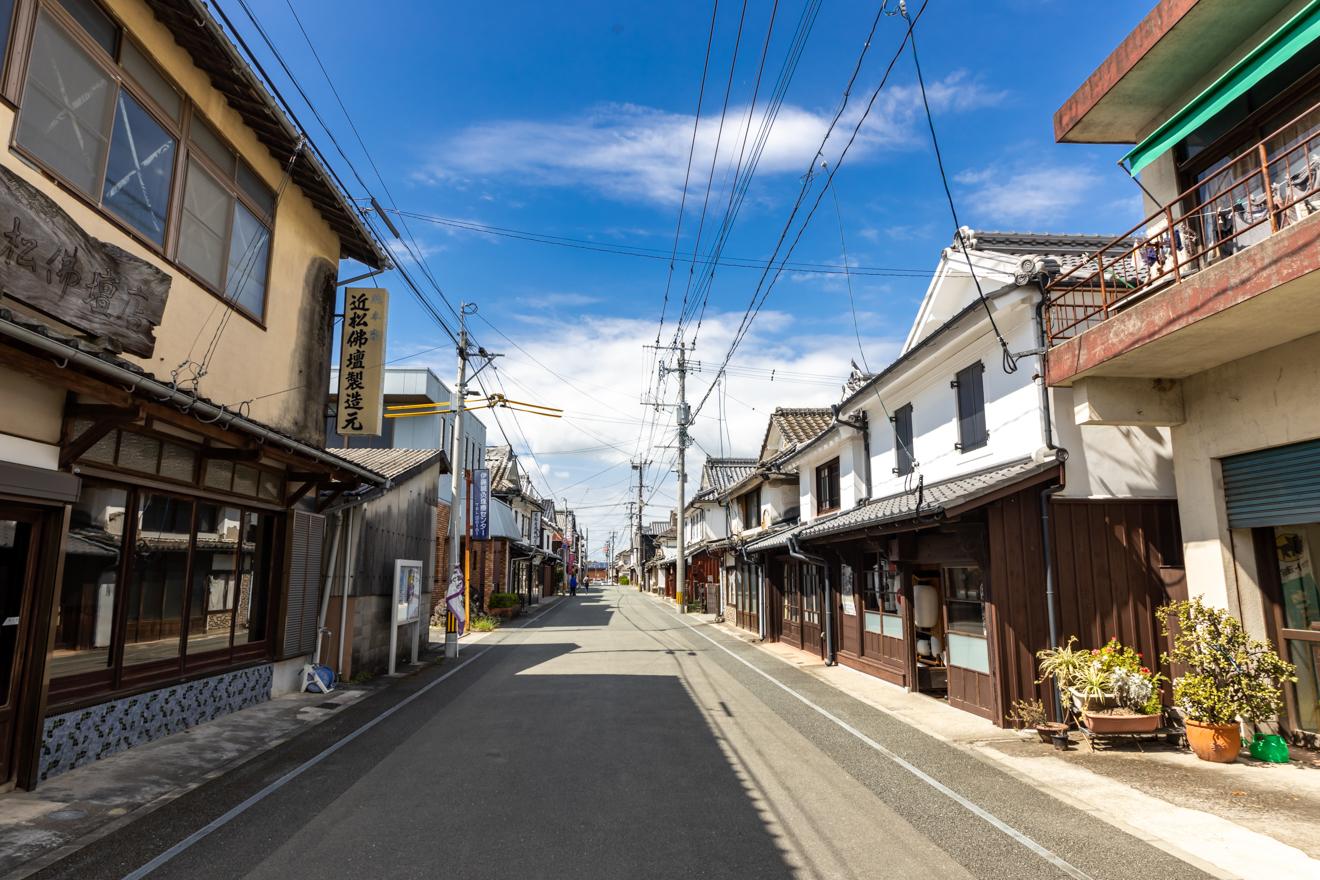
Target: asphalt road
<point x="611" y="738"/>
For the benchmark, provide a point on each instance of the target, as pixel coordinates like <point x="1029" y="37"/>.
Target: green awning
<point x="1299" y="32"/>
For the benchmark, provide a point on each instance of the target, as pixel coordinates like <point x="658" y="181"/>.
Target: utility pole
<point x="640" y="467"/>
<point x="455" y="596"/>
<point x="682" y="419"/>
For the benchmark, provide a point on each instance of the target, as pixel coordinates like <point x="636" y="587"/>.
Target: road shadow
<point x="490" y="774"/>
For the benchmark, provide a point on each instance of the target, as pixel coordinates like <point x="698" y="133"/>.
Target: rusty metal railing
<point x="1218" y="217"/>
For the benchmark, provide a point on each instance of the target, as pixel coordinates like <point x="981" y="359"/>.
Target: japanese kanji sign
<point x="361" y="356"/>
<point x="50" y="263"/>
<point x="480" y="504"/>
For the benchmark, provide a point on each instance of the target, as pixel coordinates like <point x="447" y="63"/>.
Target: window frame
<point x="829" y="491"/>
<point x="70" y="691"/>
<point x="972" y="371"/>
<point x="14" y="68"/>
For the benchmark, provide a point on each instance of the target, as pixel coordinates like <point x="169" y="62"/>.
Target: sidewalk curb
<point x="1268" y="857"/>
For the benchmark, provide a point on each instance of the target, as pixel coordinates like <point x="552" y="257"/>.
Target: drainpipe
<point x="861" y="424"/>
<point x="329" y="586"/>
<point x="795" y="550"/>
<point x="350" y="560"/>
<point x="1061" y="455"/>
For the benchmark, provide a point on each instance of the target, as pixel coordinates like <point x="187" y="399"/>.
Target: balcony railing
<point x="1266" y="188"/>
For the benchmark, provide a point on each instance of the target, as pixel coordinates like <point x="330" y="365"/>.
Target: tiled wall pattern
<point x="85" y="735"/>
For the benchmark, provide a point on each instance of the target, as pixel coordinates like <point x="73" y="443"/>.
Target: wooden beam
<point x="335" y="491"/>
<point x="231" y="454"/>
<point x="100" y="411"/>
<point x="296" y="495"/>
<point x="74" y="449"/>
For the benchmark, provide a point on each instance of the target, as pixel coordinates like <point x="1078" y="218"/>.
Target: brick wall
<point x="441" y="579"/>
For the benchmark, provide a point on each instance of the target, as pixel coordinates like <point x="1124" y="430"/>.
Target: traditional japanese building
<point x="168" y="272"/>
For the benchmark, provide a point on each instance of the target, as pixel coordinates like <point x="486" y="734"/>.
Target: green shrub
<point x="484" y="623"/>
<point x="623" y="580"/>
<point x="1230" y="675"/>
<point x="503" y="600"/>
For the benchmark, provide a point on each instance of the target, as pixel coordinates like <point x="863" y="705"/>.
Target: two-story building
<point x="1205" y="319"/>
<point x="168" y="267"/>
<point x="947" y="527"/>
<point x="707" y="540"/>
<point x="763" y="504"/>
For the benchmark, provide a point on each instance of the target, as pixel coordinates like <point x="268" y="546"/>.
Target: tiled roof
<point x="801" y="424"/>
<point x="774" y="540"/>
<point x="1062" y="252"/>
<point x="657" y="527"/>
<point x="500" y="461"/>
<point x="391" y="463"/>
<point x="935" y="498"/>
<point x="718" y="474"/>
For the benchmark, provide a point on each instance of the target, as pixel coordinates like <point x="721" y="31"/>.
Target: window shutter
<point x="304" y="590"/>
<point x="903" y="439"/>
<point x="971" y="407"/>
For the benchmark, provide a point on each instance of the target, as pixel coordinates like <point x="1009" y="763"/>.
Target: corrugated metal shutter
<point x="304" y="583"/>
<point x="1273" y="487"/>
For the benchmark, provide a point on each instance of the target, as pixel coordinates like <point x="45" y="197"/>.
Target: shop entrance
<point x="19" y="540"/>
<point x="932" y="675"/>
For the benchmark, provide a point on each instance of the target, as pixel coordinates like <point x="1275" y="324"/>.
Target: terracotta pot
<point x="1219" y="743"/>
<point x="1049" y="729"/>
<point x="1125" y="723"/>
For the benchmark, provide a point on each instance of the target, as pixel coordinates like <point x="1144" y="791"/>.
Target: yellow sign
<point x="361" y="360"/>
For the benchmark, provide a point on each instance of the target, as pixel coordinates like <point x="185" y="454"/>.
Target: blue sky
<point x="574" y="120"/>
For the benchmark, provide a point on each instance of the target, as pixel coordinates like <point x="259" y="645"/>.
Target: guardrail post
<point x="1173" y="242"/>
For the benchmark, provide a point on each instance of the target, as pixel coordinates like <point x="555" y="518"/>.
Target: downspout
<point x="350" y="560"/>
<point x="1061" y="455"/>
<point x="329" y="586"/>
<point x="795" y="550"/>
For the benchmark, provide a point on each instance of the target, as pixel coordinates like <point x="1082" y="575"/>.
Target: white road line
<point x="238" y="809"/>
<point x="976" y="810"/>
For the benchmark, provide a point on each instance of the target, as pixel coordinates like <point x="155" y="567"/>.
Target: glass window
<point x="249" y="255"/>
<point x="141" y="166"/>
<point x="210" y="143"/>
<point x="214" y="578"/>
<point x="178" y="462"/>
<point x="98" y="25"/>
<point x="965" y="600"/>
<point x="92" y="556"/>
<point x="219" y="474"/>
<point x="1297" y="548"/>
<point x="156" y="587"/>
<point x="255" y="189"/>
<point x="67" y="103"/>
<point x="827" y="486"/>
<point x="138" y="452"/>
<point x="205" y="226"/>
<point x="6" y="24"/>
<point x="146" y="75"/>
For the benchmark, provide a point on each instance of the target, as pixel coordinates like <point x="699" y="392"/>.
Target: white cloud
<point x="558" y="300"/>
<point x="608" y="371"/>
<point x="1037" y="195"/>
<point x="636" y="153"/>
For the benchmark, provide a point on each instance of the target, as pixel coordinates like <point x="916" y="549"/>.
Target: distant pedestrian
<point x="572" y="585"/>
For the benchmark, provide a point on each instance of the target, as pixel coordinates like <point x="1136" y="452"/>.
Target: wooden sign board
<point x="361" y="361"/>
<point x="48" y="262"/>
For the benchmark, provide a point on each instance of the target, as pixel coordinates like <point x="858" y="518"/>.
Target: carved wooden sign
<point x="50" y="263"/>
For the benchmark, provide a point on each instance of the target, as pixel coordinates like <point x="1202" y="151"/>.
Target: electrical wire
<point x="1010" y="362"/>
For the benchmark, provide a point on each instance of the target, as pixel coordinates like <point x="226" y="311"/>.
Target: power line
<point x="1010" y="362"/>
<point x="754" y="307"/>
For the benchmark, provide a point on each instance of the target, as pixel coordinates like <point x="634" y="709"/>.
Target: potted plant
<point x="1030" y="714"/>
<point x="1109" y="688"/>
<point x="504" y="604"/>
<point x="1230" y="677"/>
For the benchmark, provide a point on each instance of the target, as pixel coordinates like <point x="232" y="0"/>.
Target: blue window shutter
<point x="971" y="407"/>
<point x="1273" y="487"/>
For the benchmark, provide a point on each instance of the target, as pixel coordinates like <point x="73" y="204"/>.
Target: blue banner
<point x="480" y="504"/>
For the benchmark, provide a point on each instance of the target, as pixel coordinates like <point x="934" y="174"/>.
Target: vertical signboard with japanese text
<point x="480" y="504"/>
<point x="361" y="358"/>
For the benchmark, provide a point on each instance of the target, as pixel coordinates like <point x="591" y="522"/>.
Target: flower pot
<point x="1104" y="723"/>
<point x="1050" y="729"/>
<point x="1219" y="743"/>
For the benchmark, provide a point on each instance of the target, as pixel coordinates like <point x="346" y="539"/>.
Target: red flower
<point x="1145" y="671"/>
<point x="1095" y="650"/>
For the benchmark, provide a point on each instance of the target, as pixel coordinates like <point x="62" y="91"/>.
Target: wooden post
<point x="1269" y="189"/>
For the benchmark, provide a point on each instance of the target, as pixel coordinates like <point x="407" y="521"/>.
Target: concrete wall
<point x="1265" y="400"/>
<point x="292" y="349"/>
